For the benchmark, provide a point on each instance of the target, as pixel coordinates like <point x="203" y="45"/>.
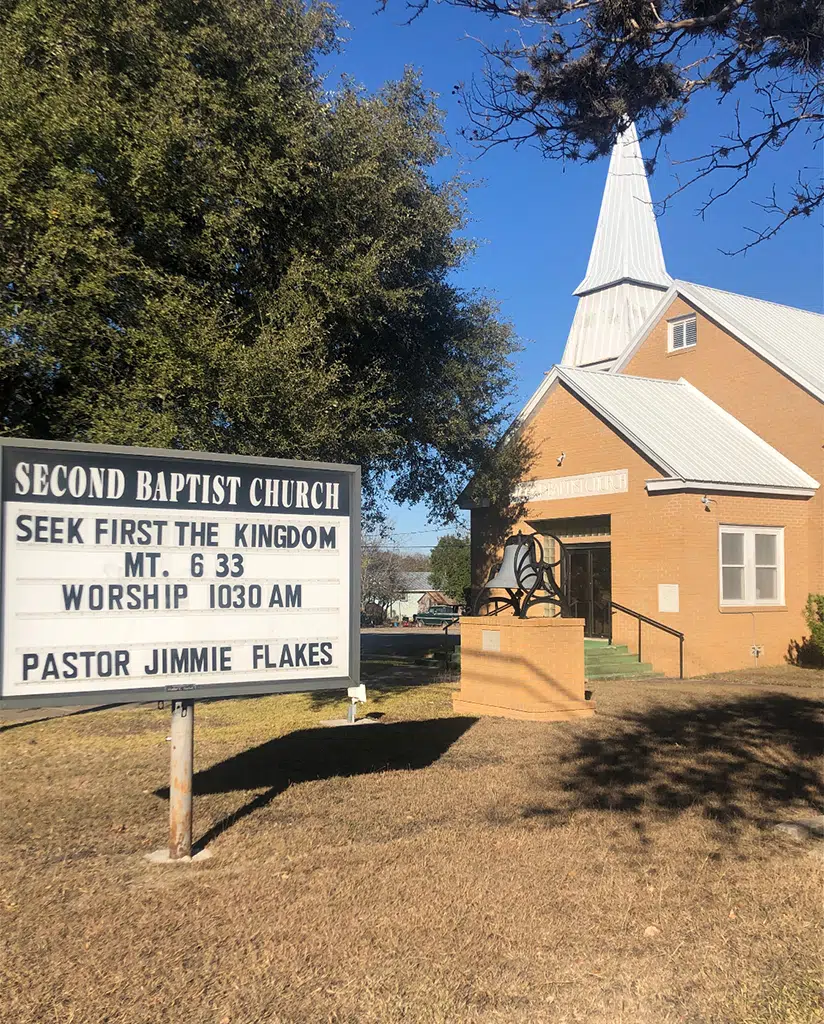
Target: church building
<point x="679" y="454"/>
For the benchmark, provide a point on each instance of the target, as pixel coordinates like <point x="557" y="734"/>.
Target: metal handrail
<point x="614" y="606"/>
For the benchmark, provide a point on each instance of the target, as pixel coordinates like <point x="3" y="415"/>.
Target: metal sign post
<point x="180" y="779"/>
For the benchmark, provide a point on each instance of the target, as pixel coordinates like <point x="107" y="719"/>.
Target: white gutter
<point x="671" y="485"/>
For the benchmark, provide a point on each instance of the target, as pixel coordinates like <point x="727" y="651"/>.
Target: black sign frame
<point x="349" y="477"/>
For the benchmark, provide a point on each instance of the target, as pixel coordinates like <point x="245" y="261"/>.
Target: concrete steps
<point x="603" y="661"/>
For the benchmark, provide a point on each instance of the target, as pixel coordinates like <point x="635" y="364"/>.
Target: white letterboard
<point x="135" y="574"/>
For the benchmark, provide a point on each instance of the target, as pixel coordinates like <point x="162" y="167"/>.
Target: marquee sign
<point x="133" y="574"/>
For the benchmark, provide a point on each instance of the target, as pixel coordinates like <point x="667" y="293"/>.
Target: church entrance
<point x="588" y="586"/>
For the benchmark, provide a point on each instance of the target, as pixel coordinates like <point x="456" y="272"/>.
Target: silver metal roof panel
<point x="626" y="245"/>
<point x="683" y="432"/>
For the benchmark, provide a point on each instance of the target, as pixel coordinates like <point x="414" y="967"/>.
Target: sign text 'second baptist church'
<point x="144" y="574"/>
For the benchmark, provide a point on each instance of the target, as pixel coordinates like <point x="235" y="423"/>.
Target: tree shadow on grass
<point x="8" y="726"/>
<point x="742" y="760"/>
<point x="313" y="754"/>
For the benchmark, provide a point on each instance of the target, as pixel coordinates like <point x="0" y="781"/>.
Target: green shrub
<point x="814" y="614"/>
<point x="809" y="653"/>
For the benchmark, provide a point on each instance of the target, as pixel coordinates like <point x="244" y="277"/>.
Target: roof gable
<point x="690" y="438"/>
<point x="790" y="339"/>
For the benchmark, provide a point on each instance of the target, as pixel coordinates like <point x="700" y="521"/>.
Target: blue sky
<point x="535" y="218"/>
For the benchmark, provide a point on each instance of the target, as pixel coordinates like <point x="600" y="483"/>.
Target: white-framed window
<point x="751" y="565"/>
<point x="683" y="332"/>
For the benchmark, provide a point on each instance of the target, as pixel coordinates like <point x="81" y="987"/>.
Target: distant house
<point x="419" y="596"/>
<point x="434" y="599"/>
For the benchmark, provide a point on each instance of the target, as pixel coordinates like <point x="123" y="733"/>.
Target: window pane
<point x="766" y="584"/>
<point x="732" y="584"/>
<point x="691" y="328"/>
<point x="765" y="549"/>
<point x="677" y="335"/>
<point x="732" y="548"/>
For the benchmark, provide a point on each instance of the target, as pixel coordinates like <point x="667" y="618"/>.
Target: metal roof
<point x="626" y="274"/>
<point x="417" y="582"/>
<point x="789" y="338"/>
<point x="605" y="323"/>
<point x="626" y="245"/>
<point x="692" y="440"/>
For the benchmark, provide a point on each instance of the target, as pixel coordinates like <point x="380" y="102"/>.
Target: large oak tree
<point x="201" y="247"/>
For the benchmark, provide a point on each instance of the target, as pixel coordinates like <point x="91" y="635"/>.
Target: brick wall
<point x="666" y="538"/>
<point x="532" y="670"/>
<point x="744" y="384"/>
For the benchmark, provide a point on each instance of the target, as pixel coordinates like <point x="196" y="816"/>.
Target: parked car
<point x="439" y="615"/>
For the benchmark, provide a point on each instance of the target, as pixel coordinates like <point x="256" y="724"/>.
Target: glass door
<point x="589" y="586"/>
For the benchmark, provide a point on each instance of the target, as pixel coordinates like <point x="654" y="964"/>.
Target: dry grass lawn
<point x="431" y="869"/>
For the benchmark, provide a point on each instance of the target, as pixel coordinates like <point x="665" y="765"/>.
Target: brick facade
<point x="533" y="671"/>
<point x="673" y="538"/>
<point x="755" y="392"/>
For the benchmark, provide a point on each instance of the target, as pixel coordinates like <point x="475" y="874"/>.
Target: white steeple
<point x="626" y="275"/>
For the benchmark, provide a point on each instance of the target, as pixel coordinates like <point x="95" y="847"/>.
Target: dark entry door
<point x="589" y="586"/>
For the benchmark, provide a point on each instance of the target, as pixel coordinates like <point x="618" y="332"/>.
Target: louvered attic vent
<point x="683" y="332"/>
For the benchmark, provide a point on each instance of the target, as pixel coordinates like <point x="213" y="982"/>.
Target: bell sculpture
<point x="528" y="667"/>
<point x="527" y="578"/>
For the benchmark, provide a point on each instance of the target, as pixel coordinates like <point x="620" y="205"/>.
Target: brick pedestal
<point x="531" y="669"/>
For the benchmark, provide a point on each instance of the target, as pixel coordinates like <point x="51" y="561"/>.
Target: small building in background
<point x="419" y="596"/>
<point x="435" y="599"/>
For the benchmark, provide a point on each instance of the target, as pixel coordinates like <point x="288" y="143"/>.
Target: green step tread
<point x="603" y="658"/>
<point x="623" y="659"/>
<point x="628" y="673"/>
<point x="609" y="655"/>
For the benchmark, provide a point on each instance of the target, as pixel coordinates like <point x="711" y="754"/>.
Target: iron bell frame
<point x="526" y="576"/>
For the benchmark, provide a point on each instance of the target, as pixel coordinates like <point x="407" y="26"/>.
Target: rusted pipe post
<point x="180" y="783"/>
